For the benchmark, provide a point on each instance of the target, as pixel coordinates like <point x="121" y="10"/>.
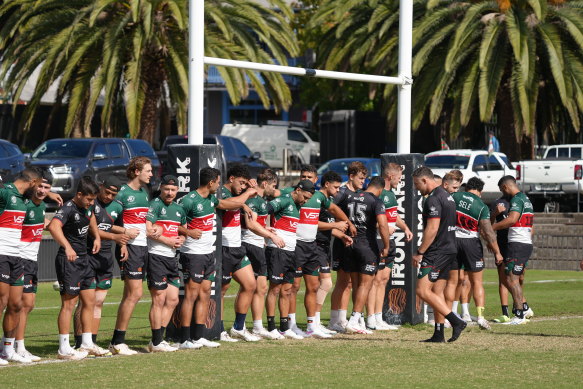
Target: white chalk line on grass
<point x="540" y="281"/>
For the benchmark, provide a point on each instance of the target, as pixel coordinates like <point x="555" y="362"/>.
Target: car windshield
<point x="53" y="149"/>
<point x="447" y="161"/>
<point x="182" y="140"/>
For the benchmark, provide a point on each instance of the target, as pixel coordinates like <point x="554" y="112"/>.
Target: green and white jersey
<point x="259" y="206"/>
<point x="200" y="215"/>
<point x="169" y="217"/>
<point x="286" y="192"/>
<point x="521" y="231"/>
<point x="287" y="217"/>
<point x="231" y="223"/>
<point x="32" y="229"/>
<point x="391" y="206"/>
<point x="309" y="216"/>
<point x="470" y="209"/>
<point x="12" y="215"/>
<point x="135" y="205"/>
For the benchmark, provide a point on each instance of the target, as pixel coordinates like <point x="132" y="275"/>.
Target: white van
<point x="271" y="141"/>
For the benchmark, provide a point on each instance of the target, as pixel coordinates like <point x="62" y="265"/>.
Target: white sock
<point x="318" y="318"/>
<point x="9" y="346"/>
<point x="454" y="306"/>
<point x="334" y="316"/>
<point x="2" y="343"/>
<point x="257" y="324"/>
<point x="379" y="317"/>
<point x="342" y="315"/>
<point x="465" y="309"/>
<point x="371" y="320"/>
<point x="292" y="319"/>
<point x="355" y="317"/>
<point x="20" y="345"/>
<point x="86" y="339"/>
<point x="64" y="346"/>
<point x="311" y="323"/>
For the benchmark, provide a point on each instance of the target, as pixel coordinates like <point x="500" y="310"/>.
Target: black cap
<point x="306" y="185"/>
<point x="112" y="183"/>
<point x="169" y="179"/>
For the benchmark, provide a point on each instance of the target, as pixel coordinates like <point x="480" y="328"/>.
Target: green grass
<point x="545" y="352"/>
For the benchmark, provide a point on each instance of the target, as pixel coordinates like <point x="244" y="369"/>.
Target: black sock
<point x="519" y="313"/>
<point x="505" y="310"/>
<point x="78" y="341"/>
<point x="270" y="323"/>
<point x="94" y="338"/>
<point x="453" y="319"/>
<point x="222" y="326"/>
<point x="439" y="327"/>
<point x="156" y="336"/>
<point x="119" y="337"/>
<point x="239" y="323"/>
<point x="283" y="324"/>
<point x="184" y="334"/>
<point x="525" y="306"/>
<point x="438" y="335"/>
<point x="198" y="331"/>
<point x="457" y="324"/>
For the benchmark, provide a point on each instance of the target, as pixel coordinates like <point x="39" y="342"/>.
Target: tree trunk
<point x="149" y="118"/>
<point x="508" y="143"/>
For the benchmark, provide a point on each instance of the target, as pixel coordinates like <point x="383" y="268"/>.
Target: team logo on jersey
<point x="114" y="214"/>
<point x="277" y="200"/>
<point x="178" y="214"/>
<point x="13" y="199"/>
<point x="290" y="208"/>
<point x="319" y="201"/>
<point x="199" y="207"/>
<point x="77" y="217"/>
<point x="97" y="210"/>
<point x="31" y="214"/>
<point x="386" y="199"/>
<point x="131" y="199"/>
<point x="163" y="211"/>
<point x="263" y="206"/>
<point x="432" y="211"/>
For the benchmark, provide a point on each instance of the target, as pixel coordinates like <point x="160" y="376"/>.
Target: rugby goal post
<point x="198" y="60"/>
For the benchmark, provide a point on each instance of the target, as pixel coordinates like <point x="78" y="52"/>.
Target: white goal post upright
<point x="198" y="60"/>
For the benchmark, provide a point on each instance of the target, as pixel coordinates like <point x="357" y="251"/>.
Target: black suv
<point x="72" y="158"/>
<point x="11" y="161"/>
<point x="234" y="151"/>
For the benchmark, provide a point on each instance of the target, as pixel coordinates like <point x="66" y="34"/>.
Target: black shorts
<point x="341" y="256"/>
<point x="256" y="256"/>
<point x="11" y="270"/>
<point x="518" y="256"/>
<point x="365" y="257"/>
<point x="162" y="271"/>
<point x="30" y="276"/>
<point x="389" y="261"/>
<point x="198" y="267"/>
<point x="436" y="266"/>
<point x="134" y="268"/>
<point x="234" y="258"/>
<point x="324" y="257"/>
<point x="307" y="261"/>
<point x="102" y="266"/>
<point x="470" y="254"/>
<point x="74" y="276"/>
<point x="280" y="265"/>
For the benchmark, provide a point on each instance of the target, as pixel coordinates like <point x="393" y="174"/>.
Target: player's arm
<point x="55" y="197"/>
<point x="512" y="218"/>
<point x="258" y="229"/>
<point x="383" y="227"/>
<point x="490" y="237"/>
<point x="116" y="233"/>
<point x="162" y="239"/>
<point x="94" y="231"/>
<point x="56" y="230"/>
<point x="429" y="234"/>
<point x="231" y="204"/>
<point x="347" y="240"/>
<point x="403" y="226"/>
<point x="339" y="215"/>
<point x="324" y="226"/>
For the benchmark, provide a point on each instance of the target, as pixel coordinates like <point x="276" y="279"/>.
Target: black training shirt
<point x="75" y="223"/>
<point x="363" y="209"/>
<point x="440" y="205"/>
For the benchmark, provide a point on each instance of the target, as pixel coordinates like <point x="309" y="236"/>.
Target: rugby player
<point x="69" y="228"/>
<point x="135" y="203"/>
<point x="107" y="211"/>
<point x="519" y="223"/>
<point x="340" y="298"/>
<point x="32" y="230"/>
<point x="367" y="213"/>
<point x="281" y="266"/>
<point x="12" y="215"/>
<point x="436" y="252"/>
<point x="374" y="306"/>
<point x="473" y="220"/>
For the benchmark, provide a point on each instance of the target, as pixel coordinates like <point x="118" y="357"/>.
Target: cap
<point x="306" y="185"/>
<point x="169" y="179"/>
<point x="112" y="183"/>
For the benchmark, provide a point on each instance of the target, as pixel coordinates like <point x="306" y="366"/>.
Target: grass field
<point x="547" y="352"/>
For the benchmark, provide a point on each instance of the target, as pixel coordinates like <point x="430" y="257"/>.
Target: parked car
<point x="11" y="161"/>
<point x="72" y="158"/>
<point x="234" y="151"/>
<point x="473" y="163"/>
<point x="272" y="140"/>
<point x="340" y="166"/>
<point x="555" y="181"/>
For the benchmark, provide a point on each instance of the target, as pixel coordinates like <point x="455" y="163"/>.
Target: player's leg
<point x="465" y="295"/>
<point x="503" y="293"/>
<point x="202" y="311"/>
<point x="87" y="298"/>
<point x="100" y="295"/>
<point x="156" y="309"/>
<point x="28" y="301"/>
<point x="297" y="284"/>
<point x="476" y="280"/>
<point x="323" y="289"/>
<point x="273" y="293"/>
<point x="68" y="303"/>
<point x="275" y="275"/>
<point x="258" y="302"/>
<point x="376" y="299"/>
<point x="170" y="304"/>
<point x="339" y="300"/>
<point x="312" y="282"/>
<point x="247" y="285"/>
<point x="11" y="322"/>
<point x="528" y="312"/>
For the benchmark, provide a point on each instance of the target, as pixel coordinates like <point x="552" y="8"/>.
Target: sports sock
<point x="270" y="323"/>
<point x="355" y="317"/>
<point x="458" y="325"/>
<point x="454" y="320"/>
<point x="480" y="312"/>
<point x="311" y="323"/>
<point x="333" y="316"/>
<point x="184" y="334"/>
<point x="465" y="309"/>
<point x="525" y="306"/>
<point x="342" y="315"/>
<point x="292" y="319"/>
<point x="505" y="310"/>
<point x="378" y="317"/>
<point x="222" y="326"/>
<point x="9" y="346"/>
<point x="163" y="331"/>
<point x="78" y="341"/>
<point x="519" y="313"/>
<point x="198" y="331"/>
<point x="257" y="324"/>
<point x="119" y="337"/>
<point x="19" y="345"/>
<point x="94" y="338"/>
<point x="283" y="324"/>
<point x="156" y="336"/>
<point x="86" y="339"/>
<point x="454" y="306"/>
<point x="239" y="323"/>
<point x="64" y="346"/>
<point x="438" y="334"/>
<point x="371" y="321"/>
<point x="318" y="318"/>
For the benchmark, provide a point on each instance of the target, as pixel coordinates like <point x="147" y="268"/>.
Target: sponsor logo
<point x="171" y="228"/>
<point x="142" y="215"/>
<point x="433" y="211"/>
<point x="131" y="199"/>
<point x="74" y="288"/>
<point x="311" y="215"/>
<point x="212" y="163"/>
<point x="279" y="278"/>
<point x="77" y="218"/>
<point x="160" y="283"/>
<point x="370" y="268"/>
<point x="83" y="231"/>
<point x="135" y="273"/>
<point x="31" y="214"/>
<point x="6" y="276"/>
<point x="13" y="200"/>
<point x="199" y="207"/>
<point x="182" y="166"/>
<point x="451" y="228"/>
<point x="38" y="231"/>
<point x="19" y="219"/>
<point x="104" y="226"/>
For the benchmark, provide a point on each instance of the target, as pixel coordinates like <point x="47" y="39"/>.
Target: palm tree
<point x="133" y="54"/>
